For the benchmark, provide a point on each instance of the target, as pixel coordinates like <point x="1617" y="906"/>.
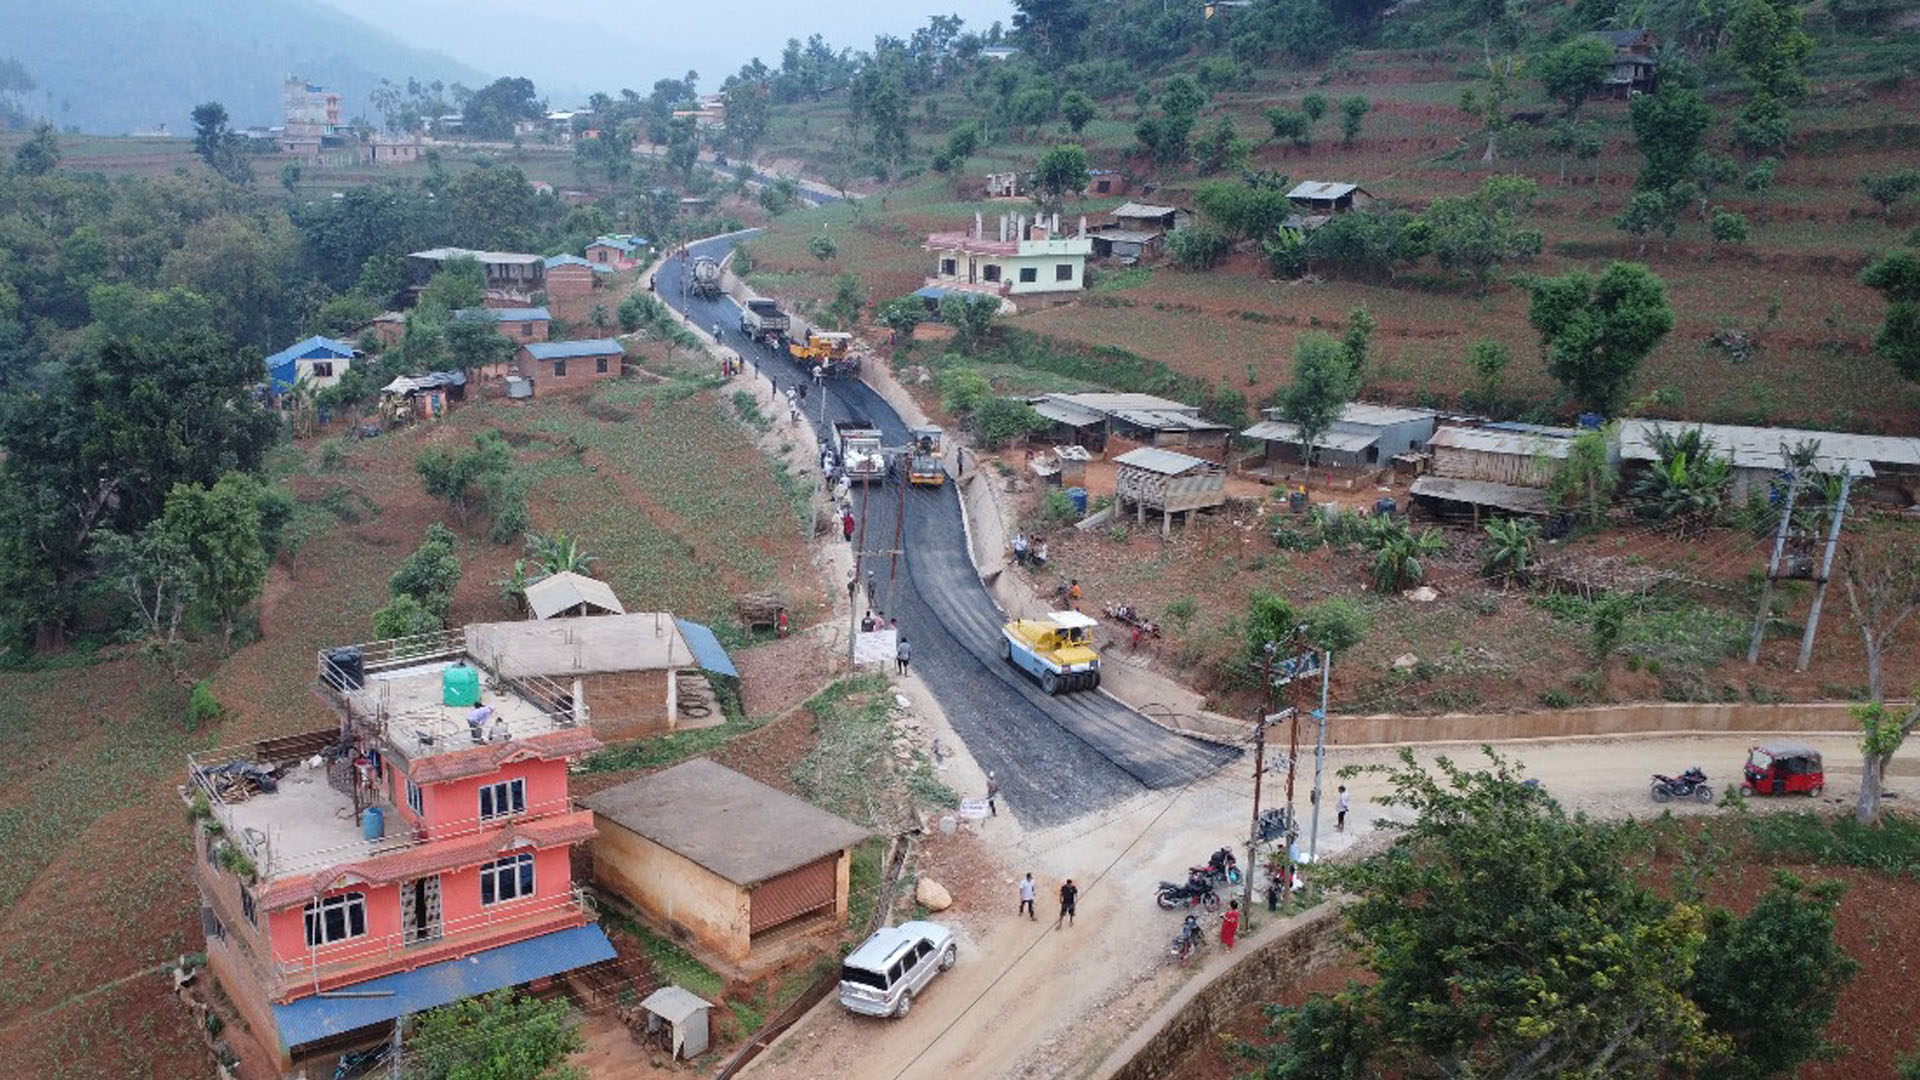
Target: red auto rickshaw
<point x="1784" y="768"/>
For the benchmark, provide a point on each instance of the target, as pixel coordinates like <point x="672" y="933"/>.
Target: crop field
<point x="659" y="480"/>
<point x="1791" y="289"/>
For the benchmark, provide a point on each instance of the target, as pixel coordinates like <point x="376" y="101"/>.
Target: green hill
<point x="112" y="66"/>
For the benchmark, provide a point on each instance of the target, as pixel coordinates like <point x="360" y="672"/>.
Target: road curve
<point x="1055" y="758"/>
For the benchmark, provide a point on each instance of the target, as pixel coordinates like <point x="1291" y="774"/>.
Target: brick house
<point x="620" y="252"/>
<point x="401" y="860"/>
<point x="519" y="324"/>
<point x="570" y="277"/>
<point x="559" y="364"/>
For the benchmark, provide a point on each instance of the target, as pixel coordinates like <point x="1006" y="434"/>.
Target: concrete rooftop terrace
<point x="305" y="825"/>
<point x="406" y="703"/>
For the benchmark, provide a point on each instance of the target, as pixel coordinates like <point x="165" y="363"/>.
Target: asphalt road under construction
<point x="1056" y="758"/>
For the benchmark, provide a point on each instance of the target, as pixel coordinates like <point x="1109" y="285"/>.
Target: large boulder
<point x="932" y="895"/>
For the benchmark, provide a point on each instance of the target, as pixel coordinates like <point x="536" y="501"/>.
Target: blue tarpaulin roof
<point x="931" y="292"/>
<point x="312" y="1018"/>
<point x="706" y="648"/>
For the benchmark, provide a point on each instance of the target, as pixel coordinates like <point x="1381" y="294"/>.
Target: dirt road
<point x="1027" y="1000"/>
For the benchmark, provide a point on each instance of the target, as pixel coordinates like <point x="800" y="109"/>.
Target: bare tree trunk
<point x="1867" y="811"/>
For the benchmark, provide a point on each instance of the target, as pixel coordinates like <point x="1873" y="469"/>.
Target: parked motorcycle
<point x="1190" y="939"/>
<point x="1197" y="892"/>
<point x="356" y="1063"/>
<point x="1691" y="784"/>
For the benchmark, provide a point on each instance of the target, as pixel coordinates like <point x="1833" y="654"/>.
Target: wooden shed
<point x="1154" y="479"/>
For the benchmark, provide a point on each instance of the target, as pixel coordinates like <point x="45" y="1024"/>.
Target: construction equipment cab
<point x="924" y="464"/>
<point x="1057" y="650"/>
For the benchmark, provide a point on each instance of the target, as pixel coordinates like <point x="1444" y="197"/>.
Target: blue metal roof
<point x="566" y="260"/>
<point x="706" y="648"/>
<point x="567" y="350"/>
<point x="315" y="347"/>
<point x="428" y="987"/>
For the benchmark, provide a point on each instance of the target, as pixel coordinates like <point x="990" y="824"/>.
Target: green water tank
<point x="460" y="685"/>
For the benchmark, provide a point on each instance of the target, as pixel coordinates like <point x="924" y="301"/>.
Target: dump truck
<point x="761" y="318"/>
<point x="1057" y="650"/>
<point x="924" y="457"/>
<point x="856" y="442"/>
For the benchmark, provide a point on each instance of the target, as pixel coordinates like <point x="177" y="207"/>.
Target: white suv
<point x="881" y="976"/>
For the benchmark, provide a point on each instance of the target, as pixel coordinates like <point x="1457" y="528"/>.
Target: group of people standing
<point x="1029" y="552"/>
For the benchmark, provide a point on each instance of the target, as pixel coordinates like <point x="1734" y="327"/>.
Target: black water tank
<point x="346" y="669"/>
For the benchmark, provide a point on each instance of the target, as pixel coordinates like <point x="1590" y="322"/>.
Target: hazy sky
<point x="608" y="44"/>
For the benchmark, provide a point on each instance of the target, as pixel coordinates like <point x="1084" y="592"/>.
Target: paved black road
<point x="1056" y="758"/>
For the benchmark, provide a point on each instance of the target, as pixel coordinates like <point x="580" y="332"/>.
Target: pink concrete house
<point x="418" y="853"/>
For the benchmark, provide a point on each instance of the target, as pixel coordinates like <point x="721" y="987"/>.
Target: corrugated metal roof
<point x="558" y="592"/>
<point x="313" y="347"/>
<point x="389" y="997"/>
<point x="1144" y="210"/>
<point x="1165" y="462"/>
<point x="1322" y="189"/>
<point x="1106" y="403"/>
<point x="568" y="350"/>
<point x="570" y="260"/>
<point x="1283" y="431"/>
<point x="1117" y="234"/>
<point x="1523" y="500"/>
<point x="734" y="825"/>
<point x="674" y="1004"/>
<point x="707" y="650"/>
<point x="1362" y="412"/>
<point x="1759" y="447"/>
<point x="1066" y="412"/>
<point x="442" y="254"/>
<point x="509" y="314"/>
<point x="1166" y="420"/>
<point x="1483" y="441"/>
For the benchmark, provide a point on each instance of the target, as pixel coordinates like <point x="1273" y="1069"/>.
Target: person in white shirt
<point x="1026" y="898"/>
<point x="1340" y="811"/>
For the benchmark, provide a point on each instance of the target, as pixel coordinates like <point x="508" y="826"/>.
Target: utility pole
<point x="1826" y="572"/>
<point x="1319" y="759"/>
<point x="1259" y="771"/>
<point x="394" y="1072"/>
<point x="1773" y="568"/>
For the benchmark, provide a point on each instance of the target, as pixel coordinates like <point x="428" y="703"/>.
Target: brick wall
<point x="627" y="703"/>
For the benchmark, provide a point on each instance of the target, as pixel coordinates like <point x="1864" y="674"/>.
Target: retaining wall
<point x="1640" y="719"/>
<point x="1197" y="1013"/>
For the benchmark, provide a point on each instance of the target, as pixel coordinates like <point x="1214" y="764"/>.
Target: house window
<point x="247" y="906"/>
<point x="600" y="255"/>
<point x="336" y="918"/>
<point x="1104" y="186"/>
<point x="503" y="798"/>
<point x="1029" y="274"/>
<point x="323" y="369"/>
<point x="211" y="925"/>
<point x="526" y="329"/>
<point x="559" y="369"/>
<point x="416" y="800"/>
<point x="1063" y="272"/>
<point x="949" y="267"/>
<point x="602" y="365"/>
<point x="990" y="272"/>
<point x="507" y="879"/>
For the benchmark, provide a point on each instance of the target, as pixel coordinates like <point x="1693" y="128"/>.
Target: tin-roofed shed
<point x="722" y="861"/>
<point x="1154" y="479"/>
<point x="1364" y="435"/>
<point x="570" y="594"/>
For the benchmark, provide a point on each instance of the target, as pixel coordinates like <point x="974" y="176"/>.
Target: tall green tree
<point x="971" y="318"/>
<point x="102" y="447"/>
<point x="1324" y="382"/>
<point x="1352" y="111"/>
<point x="1890" y="188"/>
<point x="1597" y="331"/>
<point x="40" y="154"/>
<point x="222" y="148"/>
<point x="475" y="342"/>
<point x="1896" y="275"/>
<point x="1077" y="109"/>
<point x="1574" y="71"/>
<point x="460" y="284"/>
<point x="1059" y="172"/>
<point x="1477" y="233"/>
<point x="219" y="528"/>
<point x="1668" y="126"/>
<point x="494" y="108"/>
<point x="431" y="573"/>
<point x="1768" y="46"/>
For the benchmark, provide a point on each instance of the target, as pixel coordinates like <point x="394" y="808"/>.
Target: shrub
<point x="1000" y="421"/>
<point x="203" y="707"/>
<point x="404" y="616"/>
<point x="1197" y="247"/>
<point x="1057" y="509"/>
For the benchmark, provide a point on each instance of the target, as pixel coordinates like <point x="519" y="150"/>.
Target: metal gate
<point x="794" y="895"/>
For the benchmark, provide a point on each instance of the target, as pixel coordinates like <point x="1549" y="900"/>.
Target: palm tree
<point x="300" y="399"/>
<point x="1509" y="550"/>
<point x="558" y="552"/>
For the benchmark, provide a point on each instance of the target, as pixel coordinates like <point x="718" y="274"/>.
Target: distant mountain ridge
<point x="114" y="66"/>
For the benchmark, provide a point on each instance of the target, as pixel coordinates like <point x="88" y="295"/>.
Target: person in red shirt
<point x="1230" y="924"/>
<point x="780" y="622"/>
<point x="846" y="525"/>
